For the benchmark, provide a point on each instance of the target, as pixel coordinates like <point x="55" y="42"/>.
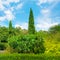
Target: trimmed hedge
<point x="28" y="57"/>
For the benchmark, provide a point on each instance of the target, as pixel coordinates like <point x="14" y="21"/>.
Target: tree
<point x="10" y="25"/>
<point x="3" y="34"/>
<point x="11" y="29"/>
<point x="55" y="29"/>
<point x="31" y="27"/>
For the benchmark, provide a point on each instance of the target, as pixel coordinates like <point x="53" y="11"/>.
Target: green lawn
<point x="29" y="57"/>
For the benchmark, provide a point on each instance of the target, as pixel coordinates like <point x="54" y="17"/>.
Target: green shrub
<point x="30" y="44"/>
<point x="13" y="42"/>
<point x="3" y="34"/>
<point x="4" y="39"/>
<point x="2" y="46"/>
<point x="27" y="44"/>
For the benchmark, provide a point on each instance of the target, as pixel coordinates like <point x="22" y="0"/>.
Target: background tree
<point x="11" y="29"/>
<point x="55" y="33"/>
<point x="31" y="27"/>
<point x="3" y="34"/>
<point x="55" y="29"/>
<point x="10" y="25"/>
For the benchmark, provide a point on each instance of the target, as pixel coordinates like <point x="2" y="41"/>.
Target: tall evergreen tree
<point x="10" y="25"/>
<point x="31" y="27"/>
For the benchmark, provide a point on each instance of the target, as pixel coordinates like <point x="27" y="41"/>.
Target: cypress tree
<point x="10" y="27"/>
<point x="31" y="27"/>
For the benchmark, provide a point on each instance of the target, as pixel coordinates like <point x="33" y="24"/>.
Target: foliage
<point x="10" y="25"/>
<point x="3" y="34"/>
<point x="31" y="27"/>
<point x="11" y="29"/>
<point x="12" y="42"/>
<point x="29" y="41"/>
<point x="29" y="57"/>
<point x="55" y="28"/>
<point x="2" y="46"/>
<point x="27" y="44"/>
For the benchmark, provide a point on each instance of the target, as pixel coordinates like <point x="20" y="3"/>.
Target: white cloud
<point x="17" y="25"/>
<point x="2" y="18"/>
<point x="16" y="1"/>
<point x="46" y="1"/>
<point x="1" y="6"/>
<point x="7" y="2"/>
<point x="44" y="23"/>
<point x="22" y="25"/>
<point x="51" y="4"/>
<point x="41" y="1"/>
<point x="45" y="12"/>
<point x="9" y="15"/>
<point x="19" y="6"/>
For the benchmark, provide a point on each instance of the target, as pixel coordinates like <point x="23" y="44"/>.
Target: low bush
<point x="13" y="42"/>
<point x="27" y="44"/>
<point x="4" y="39"/>
<point x="2" y="46"/>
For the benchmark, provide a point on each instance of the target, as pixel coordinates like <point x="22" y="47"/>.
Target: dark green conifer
<point x="10" y="27"/>
<point x="31" y="27"/>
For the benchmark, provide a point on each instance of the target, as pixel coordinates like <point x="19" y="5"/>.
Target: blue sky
<point x="46" y="13"/>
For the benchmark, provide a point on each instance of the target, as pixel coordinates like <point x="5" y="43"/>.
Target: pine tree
<point x="31" y="27"/>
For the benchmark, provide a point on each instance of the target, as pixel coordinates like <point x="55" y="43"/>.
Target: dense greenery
<point x="2" y="46"/>
<point x="22" y="42"/>
<point x="17" y="40"/>
<point x="27" y="44"/>
<point x="3" y="34"/>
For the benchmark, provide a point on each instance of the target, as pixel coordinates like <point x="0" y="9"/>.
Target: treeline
<point x="17" y="40"/>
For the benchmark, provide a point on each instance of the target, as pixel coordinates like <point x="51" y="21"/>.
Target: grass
<point x="29" y="57"/>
